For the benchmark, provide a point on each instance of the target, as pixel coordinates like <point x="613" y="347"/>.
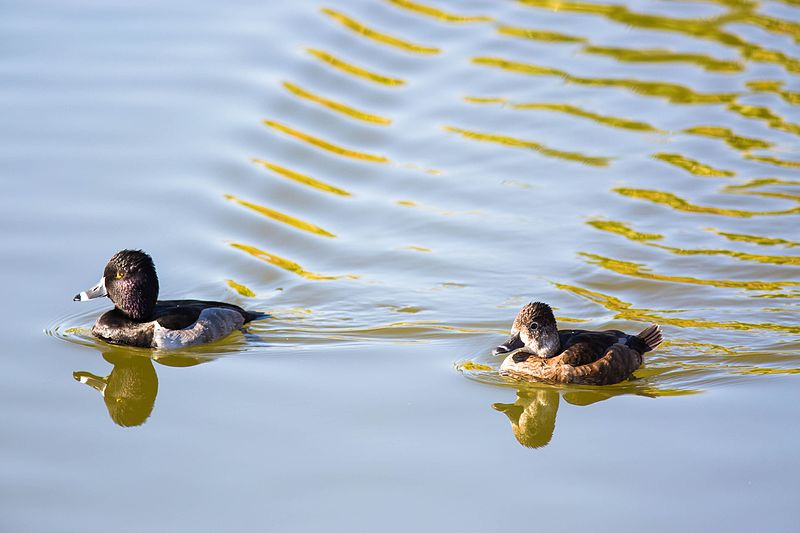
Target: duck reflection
<point x="129" y="390"/>
<point x="533" y="414"/>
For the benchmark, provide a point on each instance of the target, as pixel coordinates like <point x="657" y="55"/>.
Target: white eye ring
<point x="534" y="326"/>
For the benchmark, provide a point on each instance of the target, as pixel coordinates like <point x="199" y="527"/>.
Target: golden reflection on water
<point x="625" y="311"/>
<point x="336" y="106"/>
<point x="379" y="37"/>
<point x="637" y="270"/>
<point x="693" y="167"/>
<point x="616" y="122"/>
<point x="709" y="29"/>
<point x="323" y="144"/>
<point x="439" y="14"/>
<point x="285" y="264"/>
<point x="679" y="204"/>
<point x="281" y="217"/>
<point x="353" y="70"/>
<point x="508" y="140"/>
<point x="301" y="178"/>
<point x="737" y="142"/>
<point x="673" y="92"/>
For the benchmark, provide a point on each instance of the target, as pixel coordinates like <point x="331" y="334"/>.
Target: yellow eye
<point x="120" y="275"/>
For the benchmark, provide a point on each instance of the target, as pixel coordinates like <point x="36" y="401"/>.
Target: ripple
<point x="673" y="92"/>
<point x="242" y="290"/>
<point x="530" y="145"/>
<point x="664" y="56"/>
<point x="301" y="178"/>
<point x="766" y="115"/>
<point x="637" y="270"/>
<point x="755" y="239"/>
<point x="615" y="122"/>
<point x="621" y="228"/>
<point x="679" y="204"/>
<point x="738" y="142"/>
<point x="693" y="167"/>
<point x="286" y="264"/>
<point x="625" y="311"/>
<point x="333" y="105"/>
<point x="378" y="37"/>
<point x="353" y="70"/>
<point x="281" y="217"/>
<point x="438" y="14"/>
<point x="709" y="29"/>
<point x="325" y="145"/>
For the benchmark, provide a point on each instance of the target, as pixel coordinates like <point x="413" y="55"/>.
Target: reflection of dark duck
<point x="129" y="391"/>
<point x="138" y="319"/>
<point x="532" y="416"/>
<point x="537" y="350"/>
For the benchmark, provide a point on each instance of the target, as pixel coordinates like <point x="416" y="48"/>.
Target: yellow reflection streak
<point x="539" y="35"/>
<point x="690" y="165"/>
<point x="742" y="256"/>
<point x="531" y="145"/>
<point x="241" y="289"/>
<point x="301" y="178"/>
<point x="773" y="161"/>
<point x="673" y="92"/>
<point x="285" y="264"/>
<point x="620" y="228"/>
<point x="764" y="114"/>
<point x="336" y="106"/>
<point x="755" y="239"/>
<point x="325" y="145"/>
<point x="625" y="311"/>
<point x="637" y="270"/>
<point x="281" y="217"/>
<point x="710" y="29"/>
<point x="665" y="56"/>
<point x="383" y="38"/>
<point x="349" y="68"/>
<point x="775" y="87"/>
<point x="616" y="122"/>
<point x="679" y="204"/>
<point x="438" y="14"/>
<point x="733" y="140"/>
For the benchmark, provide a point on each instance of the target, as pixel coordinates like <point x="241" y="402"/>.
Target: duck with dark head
<point x="537" y="350"/>
<point x="140" y="319"/>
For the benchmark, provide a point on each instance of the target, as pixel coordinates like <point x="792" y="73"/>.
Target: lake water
<point x="392" y="181"/>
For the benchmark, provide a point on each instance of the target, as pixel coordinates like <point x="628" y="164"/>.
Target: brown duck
<point x="539" y="351"/>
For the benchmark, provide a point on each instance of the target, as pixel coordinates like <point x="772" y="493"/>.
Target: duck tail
<point x="651" y="336"/>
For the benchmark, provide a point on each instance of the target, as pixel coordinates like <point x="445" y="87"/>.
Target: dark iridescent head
<point x="130" y="280"/>
<point x="535" y="330"/>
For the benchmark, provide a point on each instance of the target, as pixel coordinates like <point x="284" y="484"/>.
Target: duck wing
<point x="582" y="347"/>
<point x="617" y="364"/>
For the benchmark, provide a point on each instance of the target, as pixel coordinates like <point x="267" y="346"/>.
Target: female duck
<point x="538" y="350"/>
<point x="138" y="319"/>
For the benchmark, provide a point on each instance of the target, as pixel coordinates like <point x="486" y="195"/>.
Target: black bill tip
<point x="500" y="349"/>
<point x="76" y="298"/>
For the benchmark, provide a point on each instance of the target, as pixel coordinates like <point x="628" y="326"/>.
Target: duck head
<point x="534" y="332"/>
<point x="130" y="280"/>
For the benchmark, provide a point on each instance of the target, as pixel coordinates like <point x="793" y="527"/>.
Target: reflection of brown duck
<point x="129" y="391"/>
<point x="537" y="350"/>
<point x="532" y="416"/>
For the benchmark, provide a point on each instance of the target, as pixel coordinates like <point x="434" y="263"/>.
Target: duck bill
<point x="87" y="378"/>
<point x="98" y="291"/>
<point x="513" y="343"/>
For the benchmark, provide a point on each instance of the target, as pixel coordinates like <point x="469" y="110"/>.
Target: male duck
<point x="138" y="319"/>
<point x="538" y="350"/>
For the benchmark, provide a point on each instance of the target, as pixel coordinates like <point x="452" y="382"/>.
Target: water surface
<point x="392" y="181"/>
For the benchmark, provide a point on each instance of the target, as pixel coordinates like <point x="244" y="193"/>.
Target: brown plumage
<point x="537" y="350"/>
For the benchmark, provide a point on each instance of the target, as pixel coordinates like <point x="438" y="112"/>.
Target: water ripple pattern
<point x="421" y="169"/>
